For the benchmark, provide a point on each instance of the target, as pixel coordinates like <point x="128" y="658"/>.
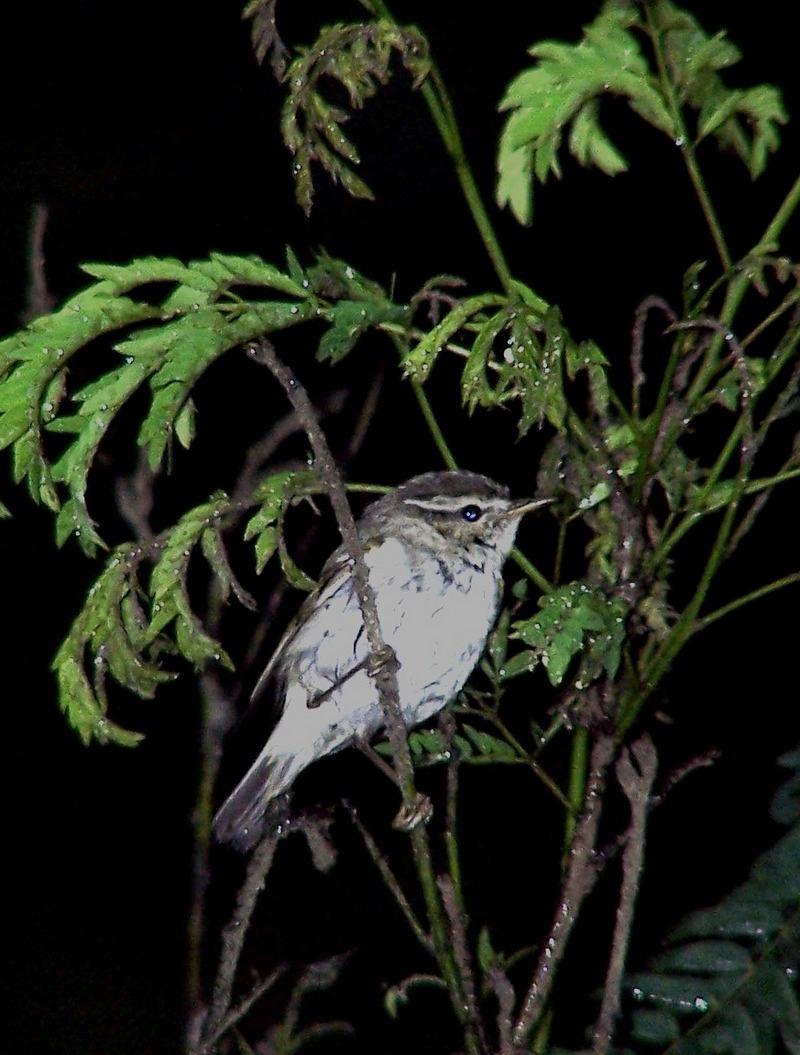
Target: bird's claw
<point x="413" y="813"/>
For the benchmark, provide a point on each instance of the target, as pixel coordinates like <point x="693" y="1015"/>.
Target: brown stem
<point x="233" y="938"/>
<point x="579" y="881"/>
<point x="636" y="771"/>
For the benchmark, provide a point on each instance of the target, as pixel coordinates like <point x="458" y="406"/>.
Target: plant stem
<point x="686" y="624"/>
<point x="747" y="598"/>
<point x="740" y="282"/>
<point x="577" y="783"/>
<point x="433" y="426"/>
<point x="434" y="92"/>
<point x="683" y="141"/>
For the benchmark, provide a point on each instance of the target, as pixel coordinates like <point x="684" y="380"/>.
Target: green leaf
<point x="561" y="93"/>
<point x="33" y="366"/>
<point x="349" y="320"/>
<point x="168" y="586"/>
<point x="273" y="497"/>
<point x="563" y="89"/>
<point x="575" y="621"/>
<point x="420" y="360"/>
<point x="187" y="347"/>
<point x="357" y="56"/>
<point x="488" y="746"/>
<point x="99" y="638"/>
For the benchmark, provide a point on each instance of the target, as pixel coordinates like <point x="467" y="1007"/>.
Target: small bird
<point x="434" y="549"/>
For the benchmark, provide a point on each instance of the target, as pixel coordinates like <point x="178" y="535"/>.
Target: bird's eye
<point x="471" y="513"/>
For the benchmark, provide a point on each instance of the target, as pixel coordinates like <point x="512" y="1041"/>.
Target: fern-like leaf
<point x="562" y="92"/>
<point x="358" y="57"/>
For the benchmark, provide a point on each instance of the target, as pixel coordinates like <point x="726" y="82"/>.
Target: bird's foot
<point x="413" y="813"/>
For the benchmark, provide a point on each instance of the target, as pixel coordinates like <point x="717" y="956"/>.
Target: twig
<point x="638" y="378"/>
<point x="39" y="298"/>
<point x="235" y="932"/>
<point x="504" y="992"/>
<point x="216" y="719"/>
<point x="389" y="878"/>
<point x="458" y="939"/>
<point x="579" y="880"/>
<point x="240" y="1010"/>
<point x="636" y="771"/>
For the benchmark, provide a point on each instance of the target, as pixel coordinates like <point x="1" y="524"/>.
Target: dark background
<point x="150" y="130"/>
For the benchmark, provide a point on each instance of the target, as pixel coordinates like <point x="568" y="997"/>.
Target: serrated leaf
<point x="188" y="346"/>
<point x="265" y="547"/>
<point x="563" y="90"/>
<point x="576" y="621"/>
<point x="273" y="497"/>
<point x="420" y="360"/>
<point x="168" y="588"/>
<point x="99" y="638"/>
<point x="185" y="428"/>
<point x="217" y="557"/>
<point x="252" y="270"/>
<point x="358" y="57"/>
<point x="349" y="319"/>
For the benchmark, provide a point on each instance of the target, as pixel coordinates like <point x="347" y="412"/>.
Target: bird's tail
<point x="244" y="815"/>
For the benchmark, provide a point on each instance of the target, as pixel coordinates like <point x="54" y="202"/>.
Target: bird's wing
<point x="333" y="578"/>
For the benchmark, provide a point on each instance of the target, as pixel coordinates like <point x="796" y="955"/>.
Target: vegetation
<point x="661" y="463"/>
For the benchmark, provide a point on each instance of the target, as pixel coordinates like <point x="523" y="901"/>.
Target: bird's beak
<point x="527" y="505"/>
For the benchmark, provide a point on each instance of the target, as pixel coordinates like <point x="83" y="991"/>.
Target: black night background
<point x="149" y="129"/>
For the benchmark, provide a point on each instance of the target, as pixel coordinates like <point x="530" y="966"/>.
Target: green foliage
<point x="514" y="353"/>
<point x="563" y="90"/>
<point x="131" y="621"/>
<point x="574" y="621"/>
<point x="196" y="322"/>
<point x="726" y="980"/>
<point x="359" y="58"/>
<point x="638" y="458"/>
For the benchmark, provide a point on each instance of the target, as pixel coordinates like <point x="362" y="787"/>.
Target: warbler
<point x="434" y="550"/>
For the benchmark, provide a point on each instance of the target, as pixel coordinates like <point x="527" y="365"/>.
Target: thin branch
<point x="458" y="938"/>
<point x="384" y="662"/>
<point x="636" y="772"/>
<point x="579" y="881"/>
<point x="39" y="298"/>
<point x="241" y="1009"/>
<point x="643" y="310"/>
<point x="740" y="602"/>
<point x="389" y="878"/>
<point x="216" y="718"/>
<point x="235" y="932"/>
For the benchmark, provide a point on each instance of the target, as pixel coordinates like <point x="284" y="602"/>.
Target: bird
<point x="434" y="550"/>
